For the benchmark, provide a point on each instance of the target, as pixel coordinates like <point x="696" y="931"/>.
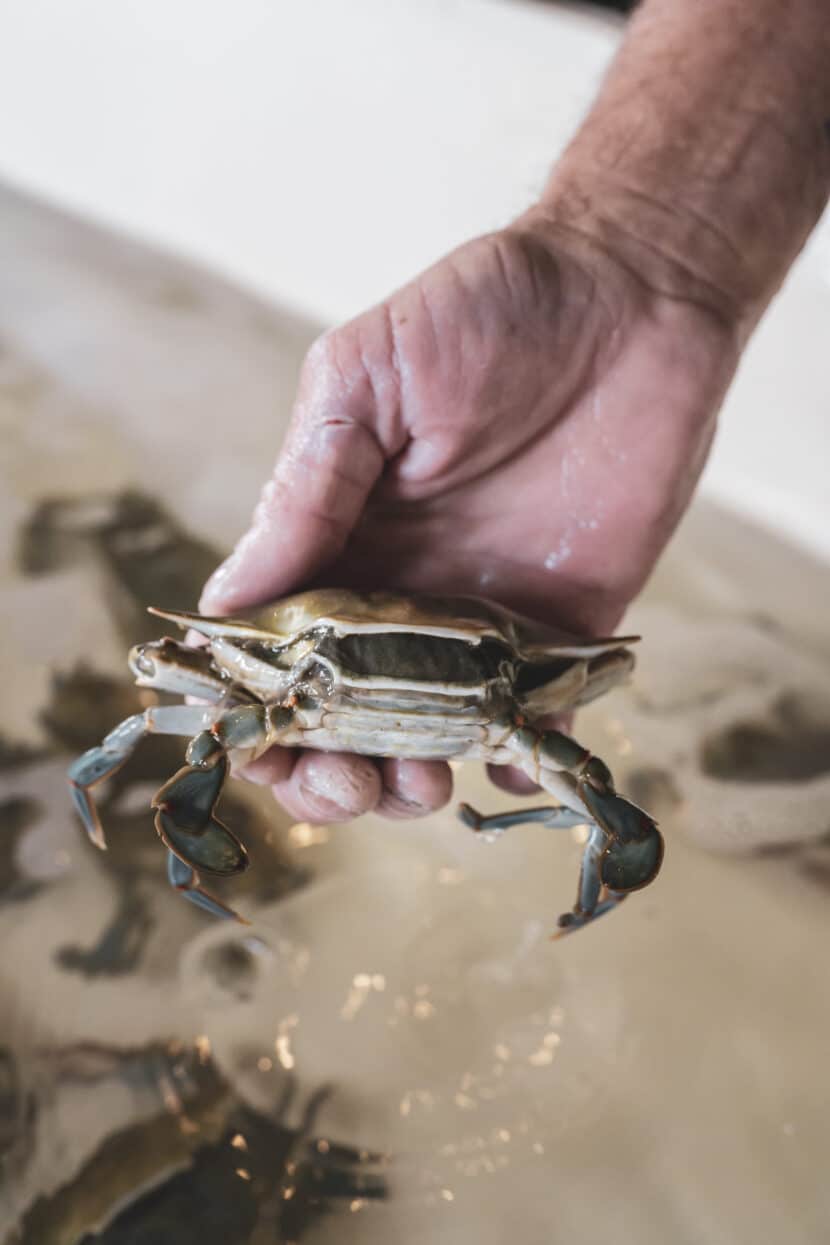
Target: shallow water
<point x="394" y="1049"/>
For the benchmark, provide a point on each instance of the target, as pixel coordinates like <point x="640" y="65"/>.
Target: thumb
<point x="329" y="463"/>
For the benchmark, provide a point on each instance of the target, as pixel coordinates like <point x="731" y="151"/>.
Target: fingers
<point x="337" y="786"/>
<point x="413" y="788"/>
<point x="332" y="457"/>
<point x="329" y="787"/>
<point x="336" y="790"/>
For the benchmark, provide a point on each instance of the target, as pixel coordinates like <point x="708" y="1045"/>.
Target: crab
<point x="387" y="675"/>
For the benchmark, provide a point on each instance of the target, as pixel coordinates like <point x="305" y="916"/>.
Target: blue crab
<point x="380" y="674"/>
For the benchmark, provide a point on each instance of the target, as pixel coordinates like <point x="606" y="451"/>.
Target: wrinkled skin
<point x="525" y="421"/>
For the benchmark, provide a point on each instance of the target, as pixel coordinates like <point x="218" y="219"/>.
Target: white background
<point x="323" y="151"/>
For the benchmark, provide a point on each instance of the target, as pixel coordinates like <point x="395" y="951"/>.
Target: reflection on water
<point x="791" y="745"/>
<point x="148" y="557"/>
<point x="394" y="1050"/>
<point x="199" y="1165"/>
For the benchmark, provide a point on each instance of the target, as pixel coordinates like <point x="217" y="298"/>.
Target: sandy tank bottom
<point x="394" y="1049"/>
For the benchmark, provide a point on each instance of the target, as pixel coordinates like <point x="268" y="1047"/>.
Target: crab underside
<point x="380" y="675"/>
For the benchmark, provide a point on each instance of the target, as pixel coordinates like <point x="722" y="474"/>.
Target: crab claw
<point x="185" y="820"/>
<point x="570" y="921"/>
<point x="99" y="763"/>
<point x="195" y="838"/>
<point x="85" y="805"/>
<point x="468" y="815"/>
<point x="635" y="852"/>
<point x="215" y="849"/>
<point x="188" y="799"/>
<point x="186" y="823"/>
<point x="184" y="878"/>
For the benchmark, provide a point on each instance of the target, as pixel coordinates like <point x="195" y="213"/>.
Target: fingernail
<point x="220" y="584"/>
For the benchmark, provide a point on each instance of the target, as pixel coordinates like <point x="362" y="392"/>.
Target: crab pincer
<point x="196" y="839"/>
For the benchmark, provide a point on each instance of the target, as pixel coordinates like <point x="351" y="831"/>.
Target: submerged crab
<point x="379" y="674"/>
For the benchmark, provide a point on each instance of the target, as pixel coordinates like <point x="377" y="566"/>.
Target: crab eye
<point x="142" y="664"/>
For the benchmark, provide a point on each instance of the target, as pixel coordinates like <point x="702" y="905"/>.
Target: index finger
<point x="330" y="461"/>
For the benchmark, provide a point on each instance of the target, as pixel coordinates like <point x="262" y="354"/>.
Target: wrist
<point x="705" y="162"/>
<point x="673" y="251"/>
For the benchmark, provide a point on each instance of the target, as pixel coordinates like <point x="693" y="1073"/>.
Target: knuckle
<point x="346" y="785"/>
<point x="326" y="367"/>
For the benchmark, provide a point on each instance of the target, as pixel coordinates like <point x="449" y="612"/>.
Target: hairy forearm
<point x="705" y="161"/>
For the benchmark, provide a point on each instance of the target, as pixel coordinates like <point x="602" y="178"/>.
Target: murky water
<point x="394" y="1050"/>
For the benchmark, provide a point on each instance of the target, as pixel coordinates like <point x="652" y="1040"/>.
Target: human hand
<point x="525" y="421"/>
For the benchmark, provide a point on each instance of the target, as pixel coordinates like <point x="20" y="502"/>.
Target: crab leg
<point x="99" y="763"/>
<point x="588" y="907"/>
<point x="557" y="817"/>
<point x="581" y="781"/>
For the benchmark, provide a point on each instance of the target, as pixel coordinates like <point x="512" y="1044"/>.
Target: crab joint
<point x="597" y="773"/>
<point x="204" y="750"/>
